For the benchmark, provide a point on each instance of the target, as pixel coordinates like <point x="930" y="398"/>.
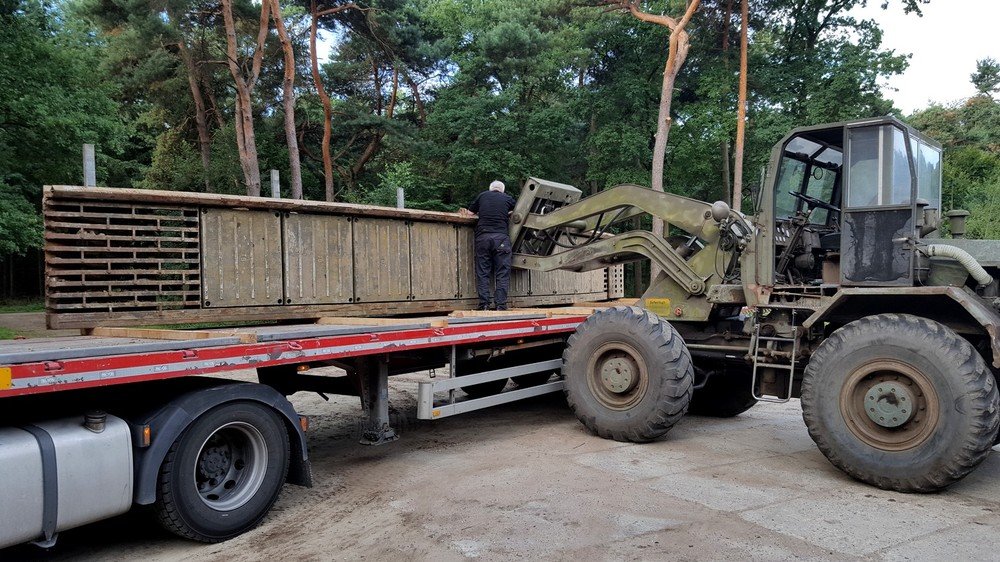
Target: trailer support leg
<point x="375" y="387"/>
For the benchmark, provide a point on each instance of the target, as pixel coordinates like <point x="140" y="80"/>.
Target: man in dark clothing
<point x="493" y="244"/>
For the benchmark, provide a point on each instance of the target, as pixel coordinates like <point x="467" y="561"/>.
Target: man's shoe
<point x="483" y="307"/>
<point x="501" y="307"/>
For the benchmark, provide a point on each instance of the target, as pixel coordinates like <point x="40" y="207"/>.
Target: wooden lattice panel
<point x="120" y="257"/>
<point x="126" y="257"/>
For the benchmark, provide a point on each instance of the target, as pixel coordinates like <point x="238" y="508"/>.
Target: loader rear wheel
<point x="481" y="365"/>
<point x="628" y="374"/>
<point x="726" y="394"/>
<point x="900" y="402"/>
<point x="223" y="474"/>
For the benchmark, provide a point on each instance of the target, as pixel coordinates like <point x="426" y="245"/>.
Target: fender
<point x="168" y="422"/>
<point x="943" y="304"/>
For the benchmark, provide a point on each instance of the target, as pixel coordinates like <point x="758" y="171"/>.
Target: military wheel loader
<point x="838" y="288"/>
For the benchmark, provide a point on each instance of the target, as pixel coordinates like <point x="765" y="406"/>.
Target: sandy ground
<point x="527" y="481"/>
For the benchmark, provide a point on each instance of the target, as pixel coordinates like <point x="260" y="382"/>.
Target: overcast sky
<point x="945" y="44"/>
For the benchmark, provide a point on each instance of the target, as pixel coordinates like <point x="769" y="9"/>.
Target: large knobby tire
<point x="900" y="402"/>
<point x="628" y="374"/>
<point x="726" y="393"/>
<point x="481" y="365"/>
<point x="223" y="474"/>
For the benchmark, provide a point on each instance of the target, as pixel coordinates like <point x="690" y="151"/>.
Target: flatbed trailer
<point x="91" y="426"/>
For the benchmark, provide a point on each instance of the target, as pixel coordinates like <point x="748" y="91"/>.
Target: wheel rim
<point x="231" y="466"/>
<point x="617" y="376"/>
<point x="889" y="405"/>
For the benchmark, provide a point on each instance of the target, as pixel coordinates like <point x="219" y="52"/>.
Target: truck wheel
<point x="481" y="365"/>
<point x="725" y="394"/>
<point x="628" y="374"/>
<point x="223" y="474"/>
<point x="900" y="402"/>
<point x="534" y="379"/>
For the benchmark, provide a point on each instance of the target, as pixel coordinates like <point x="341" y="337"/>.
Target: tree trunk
<point x="726" y="172"/>
<point x="741" y="116"/>
<point x="200" y="114"/>
<point x="376" y="141"/>
<point x="324" y="97"/>
<point x="417" y="101"/>
<point x="677" y="54"/>
<point x="246" y="142"/>
<point x="288" y="95"/>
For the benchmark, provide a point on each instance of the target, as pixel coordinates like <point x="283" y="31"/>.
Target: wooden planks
<point x="435" y="322"/>
<point x="547" y="312"/>
<point x="136" y="257"/>
<point x="160" y="334"/>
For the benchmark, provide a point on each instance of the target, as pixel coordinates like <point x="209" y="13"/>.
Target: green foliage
<point x="986" y="78"/>
<point x="51" y="102"/>
<point x="970" y="134"/>
<point x="20" y="224"/>
<point x="21" y="305"/>
<point x="492" y="89"/>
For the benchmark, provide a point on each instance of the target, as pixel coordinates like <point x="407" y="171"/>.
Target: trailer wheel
<point x="725" y="394"/>
<point x="628" y="374"/>
<point x="900" y="402"/>
<point x="223" y="474"/>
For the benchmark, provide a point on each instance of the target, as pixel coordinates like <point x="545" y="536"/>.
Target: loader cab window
<point x="879" y="169"/>
<point x="807" y="196"/>
<point x="883" y="183"/>
<point x="809" y="167"/>
<point x="928" y="160"/>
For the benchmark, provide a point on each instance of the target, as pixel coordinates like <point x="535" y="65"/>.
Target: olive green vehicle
<point x="838" y="289"/>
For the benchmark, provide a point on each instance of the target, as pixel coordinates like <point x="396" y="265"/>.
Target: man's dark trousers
<point x="492" y="258"/>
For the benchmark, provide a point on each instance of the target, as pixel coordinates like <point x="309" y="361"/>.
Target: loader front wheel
<point x="900" y="402"/>
<point x="628" y="374"/>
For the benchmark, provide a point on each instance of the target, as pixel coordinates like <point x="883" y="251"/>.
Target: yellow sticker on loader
<point x="659" y="307"/>
<point x="5" y="378"/>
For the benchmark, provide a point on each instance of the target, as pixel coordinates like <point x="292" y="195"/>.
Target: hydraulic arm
<point x="552" y="228"/>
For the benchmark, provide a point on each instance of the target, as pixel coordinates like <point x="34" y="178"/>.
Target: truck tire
<point x="726" y="394"/>
<point x="855" y="393"/>
<point x="223" y="474"/>
<point x="628" y="374"/>
<point x="481" y="365"/>
<point x="534" y="379"/>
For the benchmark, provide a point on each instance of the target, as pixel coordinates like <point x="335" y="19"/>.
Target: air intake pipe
<point x="962" y="257"/>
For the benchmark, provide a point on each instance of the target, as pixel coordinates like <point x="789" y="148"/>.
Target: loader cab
<point x="842" y="198"/>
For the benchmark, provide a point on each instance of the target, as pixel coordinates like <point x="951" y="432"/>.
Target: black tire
<point x="534" y="379"/>
<point x="628" y="374"/>
<point x="871" y="368"/>
<point x="243" y="486"/>
<point x="726" y="394"/>
<point x="481" y="365"/>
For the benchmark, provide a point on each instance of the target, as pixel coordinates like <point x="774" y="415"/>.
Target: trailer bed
<point x="37" y="366"/>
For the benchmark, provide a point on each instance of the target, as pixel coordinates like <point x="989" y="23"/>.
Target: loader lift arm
<point x="552" y="228"/>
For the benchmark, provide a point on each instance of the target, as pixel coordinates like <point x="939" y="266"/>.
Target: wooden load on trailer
<point x="125" y="257"/>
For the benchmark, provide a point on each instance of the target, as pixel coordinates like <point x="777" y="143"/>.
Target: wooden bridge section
<point x="125" y="257"/>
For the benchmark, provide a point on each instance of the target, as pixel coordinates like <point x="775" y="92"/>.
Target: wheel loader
<point x="837" y="288"/>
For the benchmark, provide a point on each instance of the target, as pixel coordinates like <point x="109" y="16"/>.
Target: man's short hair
<point x="497" y="186"/>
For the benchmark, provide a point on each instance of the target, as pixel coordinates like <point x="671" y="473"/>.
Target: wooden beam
<point x="547" y="312"/>
<point x="159" y="334"/>
<point x="166" y="198"/>
<point x="434" y="321"/>
<point x="608" y="304"/>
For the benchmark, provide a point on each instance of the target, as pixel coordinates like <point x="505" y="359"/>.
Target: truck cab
<point x="843" y="200"/>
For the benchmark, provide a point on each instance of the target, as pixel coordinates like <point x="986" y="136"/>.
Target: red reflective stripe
<point x="239" y="354"/>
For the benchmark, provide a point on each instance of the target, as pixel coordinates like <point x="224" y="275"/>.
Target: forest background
<point x="438" y="97"/>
